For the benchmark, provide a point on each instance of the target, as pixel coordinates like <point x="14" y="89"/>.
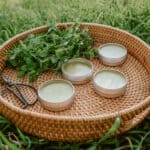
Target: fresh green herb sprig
<point x="39" y="53"/>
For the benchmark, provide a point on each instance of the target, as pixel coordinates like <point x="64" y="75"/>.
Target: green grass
<point x="130" y="15"/>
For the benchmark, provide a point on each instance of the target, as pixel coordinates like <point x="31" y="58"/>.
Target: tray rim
<point x="68" y="24"/>
<point x="142" y="105"/>
<point x="135" y="120"/>
<point x="85" y="118"/>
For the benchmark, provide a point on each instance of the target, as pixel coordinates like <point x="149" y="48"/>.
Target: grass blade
<point x="10" y="145"/>
<point x="113" y="129"/>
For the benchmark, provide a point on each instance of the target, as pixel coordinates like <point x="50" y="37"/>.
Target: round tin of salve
<point x="110" y="83"/>
<point x="112" y="54"/>
<point x="77" y="70"/>
<point x="56" y="95"/>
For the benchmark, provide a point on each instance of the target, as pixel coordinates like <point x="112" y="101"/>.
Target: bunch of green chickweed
<point x="39" y="53"/>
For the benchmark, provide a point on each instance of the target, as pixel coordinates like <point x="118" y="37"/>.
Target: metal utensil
<point x="15" y="89"/>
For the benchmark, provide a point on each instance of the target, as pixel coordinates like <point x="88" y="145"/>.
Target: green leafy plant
<point x="39" y="53"/>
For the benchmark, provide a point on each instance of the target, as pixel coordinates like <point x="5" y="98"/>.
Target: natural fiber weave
<point x="91" y="115"/>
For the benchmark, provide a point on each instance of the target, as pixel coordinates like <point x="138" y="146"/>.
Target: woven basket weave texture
<point x="91" y="115"/>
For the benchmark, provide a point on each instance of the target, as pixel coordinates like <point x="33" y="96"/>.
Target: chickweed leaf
<point x="38" y="53"/>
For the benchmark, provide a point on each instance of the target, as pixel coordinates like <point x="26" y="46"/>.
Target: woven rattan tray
<point x="90" y="115"/>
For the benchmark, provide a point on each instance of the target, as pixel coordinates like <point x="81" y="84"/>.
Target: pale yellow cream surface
<point x="56" y="92"/>
<point x="112" y="51"/>
<point x="77" y="68"/>
<point x="110" y="79"/>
